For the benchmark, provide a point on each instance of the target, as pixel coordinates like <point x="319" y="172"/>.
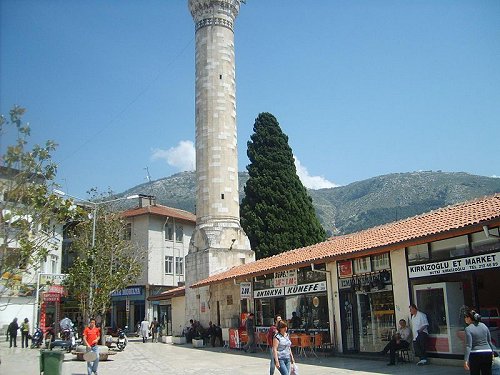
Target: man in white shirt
<point x="400" y="340"/>
<point x="419" y="328"/>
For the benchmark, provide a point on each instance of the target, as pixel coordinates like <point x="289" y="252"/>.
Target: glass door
<point x="350" y="328"/>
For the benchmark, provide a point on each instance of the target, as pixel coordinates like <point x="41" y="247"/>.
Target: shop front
<point x="299" y="296"/>
<point x="366" y="303"/>
<point x="449" y="276"/>
<point x="128" y="307"/>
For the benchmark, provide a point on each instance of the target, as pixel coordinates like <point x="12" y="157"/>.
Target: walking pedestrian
<point x="144" y="330"/>
<point x="479" y="350"/>
<point x="250" y="327"/>
<point x="91" y="336"/>
<point x="13" y="327"/>
<point x="283" y="356"/>
<point x="25" y="331"/>
<point x="154" y="330"/>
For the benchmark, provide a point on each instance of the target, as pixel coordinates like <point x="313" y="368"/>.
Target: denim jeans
<point x="284" y="366"/>
<point x="92" y="366"/>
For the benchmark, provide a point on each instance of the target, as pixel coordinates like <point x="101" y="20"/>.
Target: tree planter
<point x="178" y="340"/>
<point x="166" y="339"/>
<point x="198" y="343"/>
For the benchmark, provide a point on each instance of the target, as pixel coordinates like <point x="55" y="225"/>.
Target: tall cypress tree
<point x="277" y="214"/>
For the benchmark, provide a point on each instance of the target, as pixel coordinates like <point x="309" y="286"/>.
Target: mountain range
<point x="354" y="207"/>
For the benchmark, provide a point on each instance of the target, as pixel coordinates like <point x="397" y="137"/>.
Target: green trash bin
<point x="51" y="362"/>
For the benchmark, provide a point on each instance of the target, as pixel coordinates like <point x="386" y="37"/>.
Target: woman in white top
<point x="478" y="349"/>
<point x="283" y="357"/>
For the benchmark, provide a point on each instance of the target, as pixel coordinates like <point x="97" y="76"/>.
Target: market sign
<point x="131" y="291"/>
<point x="51" y="297"/>
<point x="285" y="278"/>
<point x="245" y="290"/>
<point x="472" y="263"/>
<point x="306" y="288"/>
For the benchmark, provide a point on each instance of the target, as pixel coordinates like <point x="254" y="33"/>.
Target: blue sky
<point x="362" y="88"/>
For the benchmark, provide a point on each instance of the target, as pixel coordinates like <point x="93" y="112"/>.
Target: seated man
<point x="400" y="340"/>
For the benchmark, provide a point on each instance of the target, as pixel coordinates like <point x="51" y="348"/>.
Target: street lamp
<point x="94" y="223"/>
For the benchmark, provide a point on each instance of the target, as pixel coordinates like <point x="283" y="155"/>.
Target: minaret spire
<point x="218" y="241"/>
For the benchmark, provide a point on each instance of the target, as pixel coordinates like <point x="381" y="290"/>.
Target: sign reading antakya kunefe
<point x="472" y="263"/>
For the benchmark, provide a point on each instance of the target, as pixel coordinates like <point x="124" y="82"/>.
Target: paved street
<point x="149" y="358"/>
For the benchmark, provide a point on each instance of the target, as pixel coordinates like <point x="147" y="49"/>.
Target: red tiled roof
<point x="176" y="292"/>
<point x="443" y="223"/>
<point x="161" y="211"/>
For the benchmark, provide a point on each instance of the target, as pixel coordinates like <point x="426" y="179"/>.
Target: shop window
<point x="483" y="244"/>
<point x="179" y="232"/>
<point x="375" y="319"/>
<point x="449" y="248"/>
<point x="128" y="232"/>
<point x="418" y="253"/>
<point x="381" y="262"/>
<point x="169" y="264"/>
<point x="179" y="265"/>
<point x="362" y="265"/>
<point x="169" y="232"/>
<point x="267" y="308"/>
<point x="53" y="264"/>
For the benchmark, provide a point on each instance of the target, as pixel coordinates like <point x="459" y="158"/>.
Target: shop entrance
<point x="350" y="329"/>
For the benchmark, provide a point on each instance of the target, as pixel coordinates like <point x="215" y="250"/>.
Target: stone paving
<point x="158" y="358"/>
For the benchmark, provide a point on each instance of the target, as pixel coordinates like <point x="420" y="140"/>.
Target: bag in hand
<point x="294" y="369"/>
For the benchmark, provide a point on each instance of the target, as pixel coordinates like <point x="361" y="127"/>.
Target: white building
<point x="165" y="233"/>
<point x="19" y="292"/>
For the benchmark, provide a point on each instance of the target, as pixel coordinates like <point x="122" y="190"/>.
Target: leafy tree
<point x="276" y="213"/>
<point x="106" y="262"/>
<point x="28" y="209"/>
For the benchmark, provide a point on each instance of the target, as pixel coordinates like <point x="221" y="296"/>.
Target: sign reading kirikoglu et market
<point x="472" y="263"/>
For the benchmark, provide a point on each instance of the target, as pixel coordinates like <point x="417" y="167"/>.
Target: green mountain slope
<point x="357" y="206"/>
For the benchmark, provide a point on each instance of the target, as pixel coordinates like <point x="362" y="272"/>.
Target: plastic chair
<point x="294" y="338"/>
<point x="305" y="343"/>
<point x="262" y="341"/>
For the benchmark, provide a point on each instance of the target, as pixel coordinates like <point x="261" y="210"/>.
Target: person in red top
<point x="270" y="336"/>
<point x="91" y="336"/>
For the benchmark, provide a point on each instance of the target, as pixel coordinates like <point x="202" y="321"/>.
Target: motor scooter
<point x="122" y="339"/>
<point x="67" y="341"/>
<point x="37" y="338"/>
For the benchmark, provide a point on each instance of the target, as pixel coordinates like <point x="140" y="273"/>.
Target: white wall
<point x="178" y="315"/>
<point x="17" y="307"/>
<point x="400" y="284"/>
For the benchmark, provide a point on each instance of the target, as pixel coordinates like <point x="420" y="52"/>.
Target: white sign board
<point x="245" y="290"/>
<point x="472" y="263"/>
<point x="285" y="278"/>
<point x="306" y="288"/>
<point x="275" y="292"/>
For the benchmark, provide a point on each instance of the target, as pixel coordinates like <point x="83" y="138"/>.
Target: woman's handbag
<point x="294" y="369"/>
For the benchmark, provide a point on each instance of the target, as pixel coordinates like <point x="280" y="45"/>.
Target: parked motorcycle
<point x="68" y="338"/>
<point x="37" y="338"/>
<point x="122" y="339"/>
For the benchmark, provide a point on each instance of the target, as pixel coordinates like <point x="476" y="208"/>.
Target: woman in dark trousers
<point x="478" y="349"/>
<point x="13" y="327"/>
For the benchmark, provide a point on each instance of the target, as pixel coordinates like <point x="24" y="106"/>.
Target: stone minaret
<point x="218" y="241"/>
